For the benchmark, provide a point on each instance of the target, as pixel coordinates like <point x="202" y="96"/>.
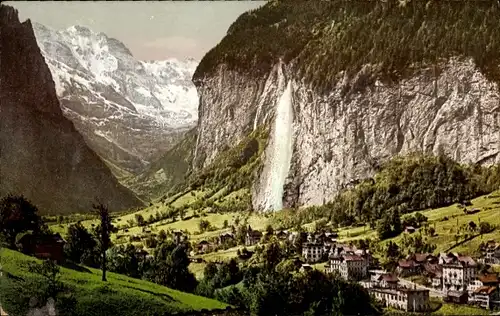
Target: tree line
<point x="323" y="39"/>
<point x="402" y="185"/>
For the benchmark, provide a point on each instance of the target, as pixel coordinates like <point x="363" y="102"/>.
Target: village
<point x="453" y="277"/>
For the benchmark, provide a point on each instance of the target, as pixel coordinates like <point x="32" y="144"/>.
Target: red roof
<point x="406" y="263"/>
<point x="421" y="257"/>
<point x="435" y="270"/>
<point x="352" y="258"/>
<point x="388" y="277"/>
<point x="485" y="290"/>
<point x="466" y="260"/>
<point x="455" y="259"/>
<point x="488" y="278"/>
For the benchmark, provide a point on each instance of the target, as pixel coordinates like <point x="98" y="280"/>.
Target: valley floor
<point x="445" y="221"/>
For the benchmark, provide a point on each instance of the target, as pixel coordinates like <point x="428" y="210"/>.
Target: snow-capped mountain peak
<point x="101" y="86"/>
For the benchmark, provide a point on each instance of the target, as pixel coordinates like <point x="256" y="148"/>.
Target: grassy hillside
<point x="234" y="168"/>
<point x="402" y="185"/>
<point x="446" y="222"/>
<point x="119" y="296"/>
<point x="323" y="38"/>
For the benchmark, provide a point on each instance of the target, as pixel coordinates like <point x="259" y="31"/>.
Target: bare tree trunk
<point x="104" y="266"/>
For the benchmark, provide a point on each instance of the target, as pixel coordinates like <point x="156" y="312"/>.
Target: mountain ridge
<point x="43" y="156"/>
<point x="129" y="111"/>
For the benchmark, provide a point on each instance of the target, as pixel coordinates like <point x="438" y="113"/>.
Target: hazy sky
<point x="151" y="30"/>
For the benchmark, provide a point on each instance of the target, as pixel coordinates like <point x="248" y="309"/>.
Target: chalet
<point x="306" y="267"/>
<point x="245" y="254"/>
<point x="375" y="274"/>
<point x="293" y="236"/>
<point x="422" y="258"/>
<point x="457" y="297"/>
<point x="350" y="267"/>
<point x="321" y="238"/>
<point x="43" y="246"/>
<point x="409" y="229"/>
<point x="386" y="281"/>
<point x="458" y="271"/>
<point x="203" y="246"/>
<point x="226" y="237"/>
<point x="485" y="297"/>
<point x="346" y="248"/>
<point x="414" y="263"/>
<point x="281" y="235"/>
<point x="434" y="272"/>
<point x="472" y="211"/>
<point x="409" y="300"/>
<point x="491" y="252"/>
<point x="332" y="235"/>
<point x="178" y="236"/>
<point x="252" y="237"/>
<point x="407" y="267"/>
<point x="312" y="252"/>
<point x="483" y="280"/>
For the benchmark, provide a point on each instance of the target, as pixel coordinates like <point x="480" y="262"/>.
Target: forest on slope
<point x="324" y="38"/>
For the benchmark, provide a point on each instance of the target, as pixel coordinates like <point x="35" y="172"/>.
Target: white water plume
<point x="279" y="152"/>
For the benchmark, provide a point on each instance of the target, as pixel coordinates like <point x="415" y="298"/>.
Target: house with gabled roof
<point x="458" y="271"/>
<point x="252" y="237"/>
<point x="485" y="297"/>
<point x="351" y="267"/>
<point x="407" y="267"/>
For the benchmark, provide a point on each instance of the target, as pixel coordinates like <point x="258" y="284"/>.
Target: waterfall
<point x="280" y="152"/>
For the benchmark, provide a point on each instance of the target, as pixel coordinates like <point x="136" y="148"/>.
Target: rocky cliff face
<point x="337" y="138"/>
<point x="42" y="154"/>
<point x="129" y="111"/>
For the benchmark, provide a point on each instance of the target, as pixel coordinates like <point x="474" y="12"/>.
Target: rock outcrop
<point x="338" y="137"/>
<point x="42" y="155"/>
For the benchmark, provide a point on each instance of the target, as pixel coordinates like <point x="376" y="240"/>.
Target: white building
<point x="458" y="272"/>
<point x="410" y="300"/>
<point x="312" y="252"/>
<point x="485" y="297"/>
<point x="350" y="267"/>
<point x="483" y="290"/>
<point x="492" y="253"/>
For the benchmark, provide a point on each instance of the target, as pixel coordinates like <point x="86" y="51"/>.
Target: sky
<point x="151" y="30"/>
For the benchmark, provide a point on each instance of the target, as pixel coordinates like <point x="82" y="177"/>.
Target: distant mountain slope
<point x="42" y="154"/>
<point x="167" y="171"/>
<point x="129" y="111"/>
